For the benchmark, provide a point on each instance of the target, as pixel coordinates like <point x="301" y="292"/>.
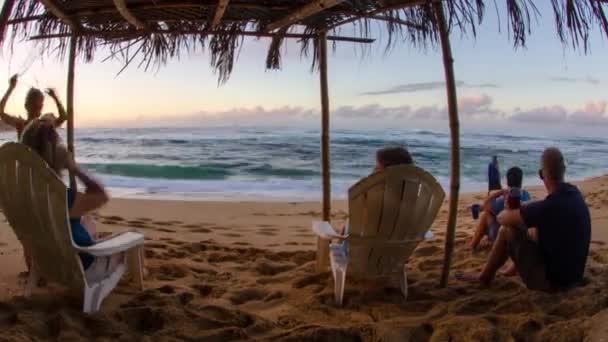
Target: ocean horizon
<point x="270" y="163"/>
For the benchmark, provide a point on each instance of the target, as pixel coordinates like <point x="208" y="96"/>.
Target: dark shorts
<point x="529" y="261"/>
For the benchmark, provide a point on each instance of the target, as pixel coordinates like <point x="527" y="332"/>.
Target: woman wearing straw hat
<point x="34" y="101"/>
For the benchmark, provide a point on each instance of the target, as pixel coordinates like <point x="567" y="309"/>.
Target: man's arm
<point x="6" y="118"/>
<point x="63" y="116"/>
<point x="487" y="204"/>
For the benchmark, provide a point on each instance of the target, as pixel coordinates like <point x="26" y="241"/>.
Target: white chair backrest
<point x="389" y="212"/>
<point x="34" y="201"/>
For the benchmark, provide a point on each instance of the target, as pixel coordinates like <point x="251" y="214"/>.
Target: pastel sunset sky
<point x="498" y="86"/>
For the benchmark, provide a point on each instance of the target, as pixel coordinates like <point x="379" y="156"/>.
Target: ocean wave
<point x="271" y="171"/>
<point x="162" y="171"/>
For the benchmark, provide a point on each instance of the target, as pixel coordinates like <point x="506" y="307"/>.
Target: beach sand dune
<point x="237" y="271"/>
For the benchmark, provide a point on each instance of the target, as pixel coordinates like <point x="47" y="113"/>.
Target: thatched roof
<point x="155" y="30"/>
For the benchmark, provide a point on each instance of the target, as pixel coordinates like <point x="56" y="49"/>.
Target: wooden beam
<point x="448" y="64"/>
<point x="242" y="33"/>
<point x="308" y="10"/>
<point x="323" y="244"/>
<point x="172" y="5"/>
<point x="26" y="19"/>
<point x="70" y="102"/>
<point x="124" y="11"/>
<point x="58" y="12"/>
<point x="394" y="21"/>
<point x="219" y="13"/>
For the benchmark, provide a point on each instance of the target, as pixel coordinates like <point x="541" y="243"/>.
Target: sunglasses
<point x="540" y="174"/>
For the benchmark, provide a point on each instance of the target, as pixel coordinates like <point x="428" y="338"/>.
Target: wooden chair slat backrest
<point x="34" y="200"/>
<point x="397" y="205"/>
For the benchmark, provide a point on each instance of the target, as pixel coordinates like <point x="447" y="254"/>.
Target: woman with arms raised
<point x="34" y="102"/>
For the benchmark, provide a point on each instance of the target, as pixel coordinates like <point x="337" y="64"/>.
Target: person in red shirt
<point x="34" y="102"/>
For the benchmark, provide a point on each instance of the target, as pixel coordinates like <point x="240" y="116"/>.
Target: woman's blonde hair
<point x="42" y="138"/>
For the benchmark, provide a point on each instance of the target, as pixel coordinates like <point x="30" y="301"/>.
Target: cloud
<point x="479" y="108"/>
<point x="588" y="80"/>
<point x="426" y="86"/>
<point x="546" y="114"/>
<point x="593" y="113"/>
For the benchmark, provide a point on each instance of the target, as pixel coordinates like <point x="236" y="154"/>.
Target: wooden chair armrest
<point x="324" y="230"/>
<point x="117" y="244"/>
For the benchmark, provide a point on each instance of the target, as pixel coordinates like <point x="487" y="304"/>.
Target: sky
<point x="499" y="87"/>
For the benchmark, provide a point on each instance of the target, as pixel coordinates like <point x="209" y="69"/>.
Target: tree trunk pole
<point x="70" y="102"/>
<point x="7" y="9"/>
<point x="322" y="244"/>
<point x="448" y="63"/>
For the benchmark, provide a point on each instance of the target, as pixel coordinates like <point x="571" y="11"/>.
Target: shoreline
<point x="123" y="194"/>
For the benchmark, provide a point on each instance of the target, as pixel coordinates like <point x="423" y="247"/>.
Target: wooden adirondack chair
<point x="390" y="212"/>
<point x="34" y="201"/>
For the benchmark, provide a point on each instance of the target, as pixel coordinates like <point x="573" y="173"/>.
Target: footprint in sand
<point x="310" y="280"/>
<point x="270" y="268"/>
<point x="267" y="233"/>
<point x="113" y="218"/>
<point x="175" y="254"/>
<point x="427" y="251"/>
<point x="151" y="254"/>
<point x="170" y="272"/>
<point x="232" y="235"/>
<point x="203" y="289"/>
<point x="474" y="306"/>
<point x="166" y="223"/>
<point x="156" y="245"/>
<point x="198" y="270"/>
<point x="144" y="319"/>
<point x="247" y="295"/>
<point x="201" y="230"/>
<point x="165" y="230"/>
<point x="110" y="222"/>
<point x="429" y="264"/>
<point x="305" y="235"/>
<point x="138" y="224"/>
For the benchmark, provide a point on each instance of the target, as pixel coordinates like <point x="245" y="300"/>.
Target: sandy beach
<point x="220" y="271"/>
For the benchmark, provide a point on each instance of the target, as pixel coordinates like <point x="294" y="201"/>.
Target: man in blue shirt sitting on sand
<point x="551" y="251"/>
<point x="494" y="205"/>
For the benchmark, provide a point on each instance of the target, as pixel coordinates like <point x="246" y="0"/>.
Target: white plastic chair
<point x="390" y="212"/>
<point x="34" y="202"/>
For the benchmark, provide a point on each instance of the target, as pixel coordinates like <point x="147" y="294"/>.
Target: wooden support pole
<point x="70" y="102"/>
<point x="323" y="245"/>
<point x="7" y="10"/>
<point x="448" y="63"/>
<point x="219" y="13"/>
